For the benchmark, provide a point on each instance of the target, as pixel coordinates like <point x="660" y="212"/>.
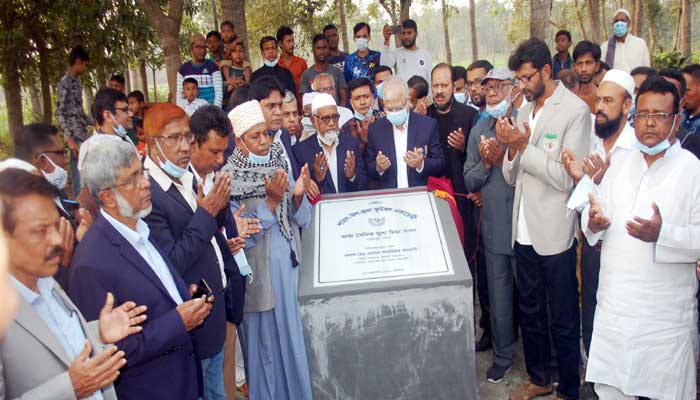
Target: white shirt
<point x="278" y="138"/>
<point x="332" y="158"/>
<point x="645" y="333"/>
<point x="400" y="148"/>
<point x="630" y="54"/>
<point x="624" y="142"/>
<point x="138" y="239"/>
<point x="408" y="63"/>
<point x="191" y="107"/>
<point x="186" y="189"/>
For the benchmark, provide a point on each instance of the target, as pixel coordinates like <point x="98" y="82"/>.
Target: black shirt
<point x="282" y="74"/>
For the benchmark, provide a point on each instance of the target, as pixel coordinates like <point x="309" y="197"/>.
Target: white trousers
<point x="606" y="392"/>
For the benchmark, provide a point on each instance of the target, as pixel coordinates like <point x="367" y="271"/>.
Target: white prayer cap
<point x="308" y="98"/>
<point x="621" y="78"/>
<point x="322" y="100"/>
<point x="246" y="116"/>
<point x="622" y="10"/>
<point x="16" y="163"/>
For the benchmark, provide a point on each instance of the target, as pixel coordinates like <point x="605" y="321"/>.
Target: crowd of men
<point x="179" y="241"/>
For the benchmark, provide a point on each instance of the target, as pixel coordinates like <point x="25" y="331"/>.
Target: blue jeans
<point x="213" y="374"/>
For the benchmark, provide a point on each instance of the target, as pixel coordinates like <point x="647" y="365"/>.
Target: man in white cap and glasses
<point x="612" y="135"/>
<point x="623" y="50"/>
<point x="647" y="211"/>
<point x="272" y="337"/>
<point x="337" y="162"/>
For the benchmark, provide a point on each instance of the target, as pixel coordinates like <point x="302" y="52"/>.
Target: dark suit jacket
<point x="161" y="360"/>
<point x="305" y="153"/>
<point x="287" y="142"/>
<point x="186" y="238"/>
<point x="283" y="76"/>
<point x="422" y="132"/>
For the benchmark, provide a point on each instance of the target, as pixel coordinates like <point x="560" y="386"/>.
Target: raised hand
<point x="86" y="220"/>
<point x="494" y="152"/>
<point x="646" y="230"/>
<point x="87" y="375"/>
<point x="363" y="128"/>
<point x="235" y="244"/>
<point x="597" y="221"/>
<point x="275" y="188"/>
<point x="218" y="196"/>
<point x="508" y="133"/>
<point x="320" y="166"/>
<point x="457" y="140"/>
<point x="117" y="323"/>
<point x="68" y="241"/>
<point x="302" y="183"/>
<point x="595" y="167"/>
<point x="246" y="226"/>
<point x="476" y="198"/>
<point x="312" y="191"/>
<point x="383" y="163"/>
<point x="349" y="166"/>
<point x="573" y="167"/>
<point x="414" y="158"/>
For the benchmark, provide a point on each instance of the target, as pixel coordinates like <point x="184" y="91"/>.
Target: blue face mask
<point x="271" y="64"/>
<point x="499" y="110"/>
<point x="380" y="91"/>
<point x="620" y="28"/>
<point x="168" y="166"/>
<point x="118" y="128"/>
<point x="256" y="159"/>
<point x="657" y="148"/>
<point x="460" y="97"/>
<point x="397" y="118"/>
<point x="361" y="117"/>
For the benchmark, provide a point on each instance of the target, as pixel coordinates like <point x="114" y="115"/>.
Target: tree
<point x="594" y="20"/>
<point x="446" y="31"/>
<point x="235" y="11"/>
<point x="472" y="27"/>
<point x="397" y="13"/>
<point x="539" y="18"/>
<point x="168" y="28"/>
<point x="343" y="25"/>
<point x="684" y="28"/>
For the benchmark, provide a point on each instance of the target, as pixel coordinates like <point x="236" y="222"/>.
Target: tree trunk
<point x="650" y="20"/>
<point x="405" y="8"/>
<point x="539" y="18"/>
<point x="446" y="30"/>
<point x="685" y="28"/>
<point x="127" y="77"/>
<point x="637" y="15"/>
<point x="594" y="20"/>
<point x="604" y="19"/>
<point x="343" y="26"/>
<point x="155" y="87"/>
<point x="13" y="95"/>
<point x="144" y="78"/>
<point x="234" y="10"/>
<point x="88" y="95"/>
<point x="35" y="99"/>
<point x="472" y="27"/>
<point x="579" y="19"/>
<point x="168" y="28"/>
<point x="215" y="14"/>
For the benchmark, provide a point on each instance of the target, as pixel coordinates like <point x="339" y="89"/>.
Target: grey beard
<point x="126" y="210"/>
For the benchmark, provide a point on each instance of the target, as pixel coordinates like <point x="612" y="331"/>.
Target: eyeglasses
<point x="473" y="85"/>
<point x="134" y="180"/>
<point x="327" y="118"/>
<point x="199" y="47"/>
<point x="656" y="117"/>
<point x="526" y="78"/>
<point x="125" y="110"/>
<point x="496" y="88"/>
<point x="329" y="90"/>
<point x="177" y="139"/>
<point x="63" y="152"/>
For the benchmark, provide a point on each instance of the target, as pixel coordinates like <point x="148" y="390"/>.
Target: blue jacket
<point x="186" y="238"/>
<point x="305" y="153"/>
<point x="422" y="133"/>
<point x="161" y="360"/>
<point x="287" y="142"/>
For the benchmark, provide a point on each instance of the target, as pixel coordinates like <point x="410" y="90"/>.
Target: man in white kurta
<point x="647" y="210"/>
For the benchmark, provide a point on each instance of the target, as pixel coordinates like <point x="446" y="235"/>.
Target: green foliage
<point x="667" y="59"/>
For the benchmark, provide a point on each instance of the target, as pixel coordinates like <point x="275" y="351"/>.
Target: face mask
<point x="307" y="125"/>
<point x="659" y="147"/>
<point x="397" y="118"/>
<point x="118" y="129"/>
<point x="633" y="109"/>
<point x="460" y="97"/>
<point x="269" y="63"/>
<point x="361" y="44"/>
<point x="620" y="28"/>
<point x="256" y="159"/>
<point x="330" y="137"/>
<point x="499" y="110"/>
<point x="361" y="117"/>
<point x="59" y="176"/>
<point x="168" y="166"/>
<point x="380" y="91"/>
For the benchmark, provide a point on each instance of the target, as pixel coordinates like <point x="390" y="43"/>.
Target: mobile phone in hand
<point x="396" y="29"/>
<point x="203" y="289"/>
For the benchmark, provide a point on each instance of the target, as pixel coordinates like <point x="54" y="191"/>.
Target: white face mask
<point x="59" y="176"/>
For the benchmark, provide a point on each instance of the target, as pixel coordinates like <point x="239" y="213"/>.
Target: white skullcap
<point x="620" y="78"/>
<point x="622" y="10"/>
<point x="308" y="98"/>
<point x="16" y="163"/>
<point x="322" y="100"/>
<point x="246" y="116"/>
